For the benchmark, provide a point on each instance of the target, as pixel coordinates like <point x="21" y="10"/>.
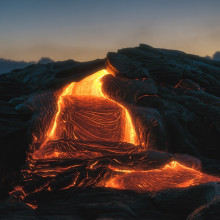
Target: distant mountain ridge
<point x="216" y="56"/>
<point x="8" y="65"/>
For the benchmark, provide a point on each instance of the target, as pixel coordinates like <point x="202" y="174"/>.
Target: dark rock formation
<point x="181" y="88"/>
<point x="210" y="210"/>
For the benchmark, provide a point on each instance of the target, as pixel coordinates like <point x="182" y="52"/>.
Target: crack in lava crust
<point x="92" y="142"/>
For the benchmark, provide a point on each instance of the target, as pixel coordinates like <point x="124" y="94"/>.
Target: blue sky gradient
<point x="85" y="29"/>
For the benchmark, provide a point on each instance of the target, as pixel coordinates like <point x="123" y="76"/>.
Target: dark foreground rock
<point x="101" y="203"/>
<point x="207" y="211"/>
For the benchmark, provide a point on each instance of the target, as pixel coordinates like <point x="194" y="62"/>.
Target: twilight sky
<point x="87" y="29"/>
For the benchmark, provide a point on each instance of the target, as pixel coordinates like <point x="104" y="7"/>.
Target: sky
<point x="87" y="29"/>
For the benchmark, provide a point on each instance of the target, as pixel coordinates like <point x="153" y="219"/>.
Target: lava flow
<point x="172" y="175"/>
<point x="91" y="142"/>
<point x="84" y="113"/>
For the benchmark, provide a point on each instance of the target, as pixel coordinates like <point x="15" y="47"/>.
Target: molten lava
<point x="84" y="113"/>
<point x="91" y="142"/>
<point x="172" y="175"/>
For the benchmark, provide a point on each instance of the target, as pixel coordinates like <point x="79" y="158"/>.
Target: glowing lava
<point x="85" y="100"/>
<point x="90" y="86"/>
<point x="172" y="175"/>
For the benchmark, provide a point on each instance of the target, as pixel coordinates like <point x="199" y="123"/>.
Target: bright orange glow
<point x="91" y="86"/>
<point x="32" y="205"/>
<point x="89" y="92"/>
<point x="172" y="175"/>
<point x="67" y="91"/>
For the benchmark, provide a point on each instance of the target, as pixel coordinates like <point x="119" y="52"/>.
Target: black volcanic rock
<point x="185" y="106"/>
<point x="207" y="211"/>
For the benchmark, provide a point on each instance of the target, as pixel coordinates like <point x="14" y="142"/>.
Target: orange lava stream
<point x="67" y="91"/>
<point x="172" y="175"/>
<point x="90" y="86"/>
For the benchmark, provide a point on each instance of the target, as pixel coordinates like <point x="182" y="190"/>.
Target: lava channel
<point x="88" y="132"/>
